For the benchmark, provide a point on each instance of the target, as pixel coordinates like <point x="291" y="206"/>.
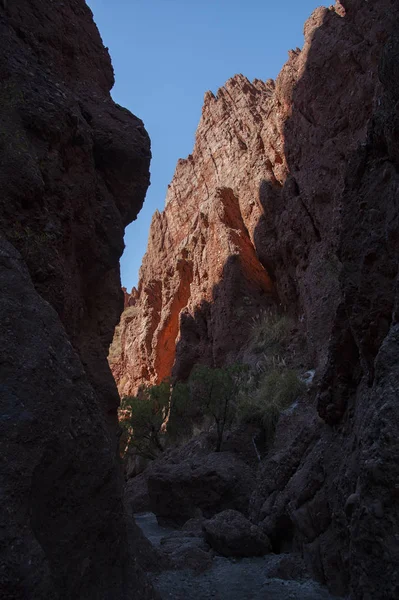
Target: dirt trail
<point x="227" y="579"/>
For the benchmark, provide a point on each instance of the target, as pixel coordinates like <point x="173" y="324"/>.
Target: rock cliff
<point x="253" y="214"/>
<point x="201" y="280"/>
<point x="291" y="194"/>
<point x="74" y="169"/>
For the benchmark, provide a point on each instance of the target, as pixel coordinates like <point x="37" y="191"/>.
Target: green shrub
<point x="271" y="334"/>
<point x="143" y="418"/>
<point x="276" y="391"/>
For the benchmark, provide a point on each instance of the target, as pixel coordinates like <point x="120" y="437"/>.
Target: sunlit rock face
<point x="74" y="169"/>
<point x="201" y="279"/>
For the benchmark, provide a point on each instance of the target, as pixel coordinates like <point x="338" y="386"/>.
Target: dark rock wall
<point x="74" y="169"/>
<point x="332" y="489"/>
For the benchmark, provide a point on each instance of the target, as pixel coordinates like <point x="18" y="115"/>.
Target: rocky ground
<point x="268" y="577"/>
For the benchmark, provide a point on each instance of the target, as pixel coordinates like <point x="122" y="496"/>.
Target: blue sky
<point x="167" y="53"/>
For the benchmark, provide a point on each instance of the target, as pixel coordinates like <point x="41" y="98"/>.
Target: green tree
<point x="143" y="418"/>
<point x="215" y="390"/>
<point x="182" y="413"/>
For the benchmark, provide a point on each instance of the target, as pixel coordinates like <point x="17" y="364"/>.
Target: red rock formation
<point x="285" y="176"/>
<point x="74" y="169"/>
<point x="201" y="272"/>
<point x="281" y="150"/>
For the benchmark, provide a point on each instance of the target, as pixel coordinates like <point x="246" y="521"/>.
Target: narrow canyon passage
<point x="242" y="402"/>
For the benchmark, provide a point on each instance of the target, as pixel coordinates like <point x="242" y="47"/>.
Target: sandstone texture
<point x="253" y="214"/>
<point x="291" y="195"/>
<point x="74" y="169"/>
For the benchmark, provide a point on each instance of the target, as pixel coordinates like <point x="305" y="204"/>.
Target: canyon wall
<point x="291" y="196"/>
<point x="330" y="487"/>
<point x="201" y="280"/>
<point x="74" y="170"/>
<point x="252" y="216"/>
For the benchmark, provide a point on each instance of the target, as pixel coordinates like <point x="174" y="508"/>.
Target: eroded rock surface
<point x="75" y="169"/>
<point x="254" y="212"/>
<point x="201" y="279"/>
<point x="331" y="489"/>
<point x="73" y="173"/>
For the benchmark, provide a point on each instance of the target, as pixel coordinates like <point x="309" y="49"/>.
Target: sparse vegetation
<point x="273" y="386"/>
<point x="142" y="419"/>
<point x="162" y="414"/>
<point x="270" y="334"/>
<point x="130" y="312"/>
<point x="276" y="390"/>
<point x="215" y="391"/>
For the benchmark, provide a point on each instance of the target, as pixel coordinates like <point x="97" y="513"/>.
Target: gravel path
<point x="227" y="579"/>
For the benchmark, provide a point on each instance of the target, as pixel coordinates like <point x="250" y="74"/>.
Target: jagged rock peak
<point x="236" y="89"/>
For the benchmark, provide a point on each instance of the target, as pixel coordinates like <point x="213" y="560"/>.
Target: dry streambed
<point x="260" y="578"/>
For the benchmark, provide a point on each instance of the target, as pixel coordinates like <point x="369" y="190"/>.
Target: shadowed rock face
<point x="333" y="488"/>
<point x="74" y="169"/>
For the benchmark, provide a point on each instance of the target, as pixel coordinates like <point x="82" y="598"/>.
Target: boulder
<point x="187" y="550"/>
<point x="232" y="534"/>
<point x="203" y="485"/>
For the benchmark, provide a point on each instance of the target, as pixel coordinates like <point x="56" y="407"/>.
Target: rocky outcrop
<point x="73" y="173"/>
<point x="254" y="212"/>
<point x="330" y="490"/>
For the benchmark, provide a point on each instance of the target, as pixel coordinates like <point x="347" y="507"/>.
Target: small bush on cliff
<point x="270" y="335"/>
<point x="142" y="419"/>
<point x="276" y="391"/>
